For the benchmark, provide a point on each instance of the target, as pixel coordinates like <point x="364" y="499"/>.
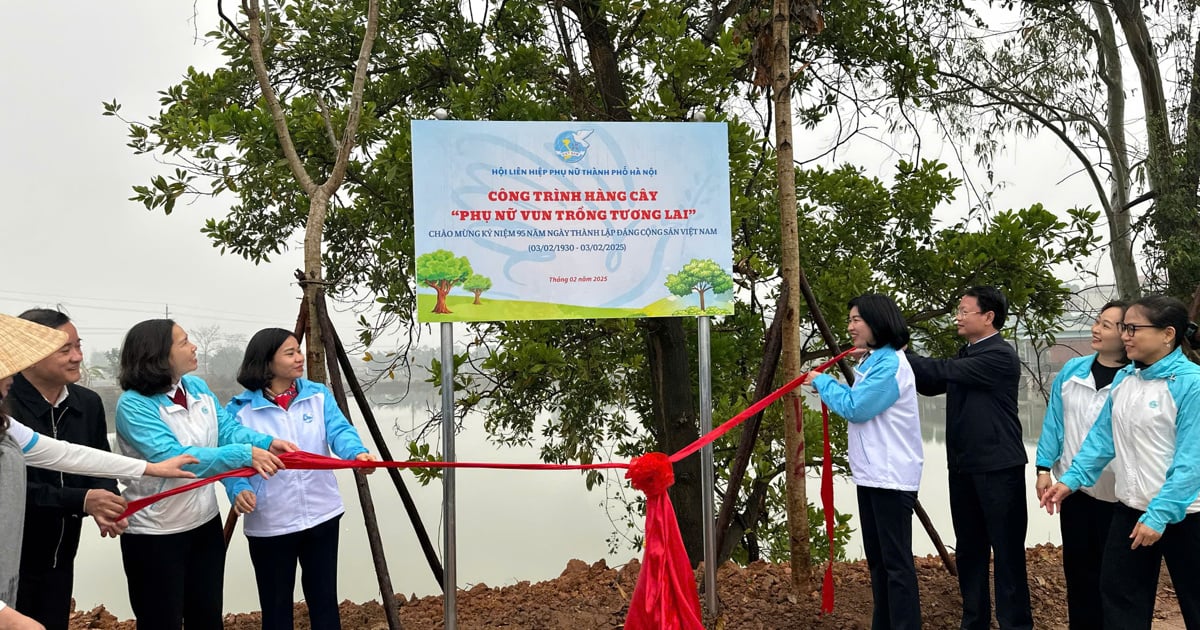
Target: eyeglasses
<point x="1133" y="328"/>
<point x="962" y="313"/>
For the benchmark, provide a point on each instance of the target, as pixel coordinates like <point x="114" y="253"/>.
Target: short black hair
<point x="990" y="300"/>
<point x="883" y="317"/>
<point x="255" y="373"/>
<point x="145" y="365"/>
<point x="48" y="317"/>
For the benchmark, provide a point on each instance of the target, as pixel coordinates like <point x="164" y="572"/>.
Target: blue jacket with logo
<point x="884" y="436"/>
<point x="1070" y="413"/>
<point x="1150" y="430"/>
<point x="154" y="428"/>
<point x="295" y="500"/>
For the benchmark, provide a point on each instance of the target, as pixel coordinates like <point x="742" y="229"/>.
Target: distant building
<point x="1039" y="365"/>
<point x="1072" y="339"/>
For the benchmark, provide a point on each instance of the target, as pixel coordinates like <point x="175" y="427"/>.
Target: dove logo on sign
<point x="571" y="146"/>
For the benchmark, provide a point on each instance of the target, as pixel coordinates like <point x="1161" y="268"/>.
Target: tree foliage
<point x="477" y="284"/>
<point x="588" y="390"/>
<point x="1068" y="70"/>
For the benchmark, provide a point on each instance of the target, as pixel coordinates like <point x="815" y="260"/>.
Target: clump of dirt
<point x="755" y="597"/>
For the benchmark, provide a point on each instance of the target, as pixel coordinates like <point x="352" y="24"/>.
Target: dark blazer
<point x="54" y="500"/>
<point x="983" y="430"/>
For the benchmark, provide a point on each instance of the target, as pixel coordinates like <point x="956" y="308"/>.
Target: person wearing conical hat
<point x="23" y="344"/>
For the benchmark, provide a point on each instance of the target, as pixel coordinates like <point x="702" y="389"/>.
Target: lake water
<point x="512" y="525"/>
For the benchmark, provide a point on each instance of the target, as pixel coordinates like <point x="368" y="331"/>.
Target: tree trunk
<point x="796" y="498"/>
<point x="313" y="270"/>
<point x="440" y="307"/>
<point x="318" y="195"/>
<point x="669" y="355"/>
<point x="1174" y="218"/>
<point x="603" y="54"/>
<point x="676" y="423"/>
<point x="1120" y="230"/>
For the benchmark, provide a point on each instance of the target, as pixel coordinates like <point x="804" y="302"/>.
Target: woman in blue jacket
<point x="1076" y="397"/>
<point x="166" y="412"/>
<point x="884" y="444"/>
<point x="293" y="517"/>
<point x="1149" y="429"/>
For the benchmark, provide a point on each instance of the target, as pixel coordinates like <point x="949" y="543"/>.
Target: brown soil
<point x="754" y="597"/>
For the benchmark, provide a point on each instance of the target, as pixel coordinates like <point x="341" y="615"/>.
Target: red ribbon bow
<point x="665" y="597"/>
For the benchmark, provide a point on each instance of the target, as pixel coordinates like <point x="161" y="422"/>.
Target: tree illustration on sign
<point x="441" y="270"/>
<point x="477" y="284"/>
<point x="699" y="275"/>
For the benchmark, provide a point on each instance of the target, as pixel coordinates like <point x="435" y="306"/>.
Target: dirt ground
<point x="756" y="597"/>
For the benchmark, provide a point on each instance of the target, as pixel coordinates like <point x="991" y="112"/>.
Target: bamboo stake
<point x="373" y="427"/>
<point x="390" y="608"/>
<point x="231" y="520"/>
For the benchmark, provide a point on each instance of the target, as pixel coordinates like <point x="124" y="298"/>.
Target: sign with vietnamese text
<point x="569" y="220"/>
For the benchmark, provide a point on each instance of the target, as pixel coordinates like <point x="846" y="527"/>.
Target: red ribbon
<point x="827" y="507"/>
<point x="666" y="598"/>
<point x="665" y="595"/>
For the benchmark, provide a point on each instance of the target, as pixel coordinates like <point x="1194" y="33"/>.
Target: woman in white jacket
<point x="292" y="517"/>
<point x="22" y="344"/>
<point x="165" y="411"/>
<point x="1149" y="429"/>
<point x="884" y="444"/>
<point x="1076" y="397"/>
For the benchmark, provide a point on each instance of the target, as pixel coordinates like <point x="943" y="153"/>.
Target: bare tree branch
<point x="231" y="23"/>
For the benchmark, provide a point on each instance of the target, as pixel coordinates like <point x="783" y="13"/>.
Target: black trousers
<point x="275" y="559"/>
<point x="989" y="515"/>
<point x="47" y="572"/>
<point x="176" y="579"/>
<point x="44" y="595"/>
<point x="1084" y="522"/>
<point x="886" y="518"/>
<point x="1129" y="577"/>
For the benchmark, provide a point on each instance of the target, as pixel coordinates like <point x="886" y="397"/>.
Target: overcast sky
<point x="72" y="235"/>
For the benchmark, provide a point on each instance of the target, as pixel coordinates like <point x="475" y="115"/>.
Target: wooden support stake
<point x="231" y="520"/>
<point x="410" y="506"/>
<point x="827" y="334"/>
<point x="390" y="608"/>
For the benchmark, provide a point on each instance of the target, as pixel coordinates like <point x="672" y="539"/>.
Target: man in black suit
<point x="45" y="398"/>
<point x="986" y="460"/>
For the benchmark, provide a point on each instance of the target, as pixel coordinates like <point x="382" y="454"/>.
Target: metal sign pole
<point x="706" y="467"/>
<point x="449" y="540"/>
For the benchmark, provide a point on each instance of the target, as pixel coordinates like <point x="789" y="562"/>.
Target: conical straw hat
<point x="23" y="343"/>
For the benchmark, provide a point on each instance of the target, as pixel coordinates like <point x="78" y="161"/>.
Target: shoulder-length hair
<point x="883" y="317"/>
<point x="145" y="365"/>
<point x="255" y="373"/>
